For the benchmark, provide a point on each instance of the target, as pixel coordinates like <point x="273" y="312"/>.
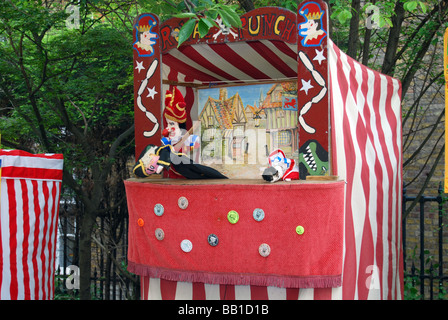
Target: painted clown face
<point x="174" y="132"/>
<point x="147" y="38"/>
<point x="308" y="28"/>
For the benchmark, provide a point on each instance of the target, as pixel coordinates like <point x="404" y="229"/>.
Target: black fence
<point x="425" y="246"/>
<point x="109" y="278"/>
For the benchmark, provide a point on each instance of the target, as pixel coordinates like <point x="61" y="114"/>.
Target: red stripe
<point x="273" y="59"/>
<point x="36" y="238"/>
<point x="285" y="49"/>
<point x="392" y="124"/>
<point x="365" y="255"/>
<point x="144" y="287"/>
<point x="43" y="258"/>
<point x="349" y="278"/>
<point x="173" y="75"/>
<point x="1" y="242"/>
<point x="227" y="292"/>
<point x="322" y="294"/>
<point x="391" y="118"/>
<point x="198" y="291"/>
<point x="52" y="236"/>
<point x="168" y="289"/>
<point x="13" y="289"/>
<point x="25" y="244"/>
<point x="292" y="293"/>
<point x="380" y="172"/>
<point x="196" y="56"/>
<point x="231" y="56"/>
<point x="259" y="293"/>
<point x="31" y="173"/>
<point x="26" y="154"/>
<point x="177" y="64"/>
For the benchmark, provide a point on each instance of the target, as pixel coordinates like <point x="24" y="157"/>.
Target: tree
<point x="65" y="91"/>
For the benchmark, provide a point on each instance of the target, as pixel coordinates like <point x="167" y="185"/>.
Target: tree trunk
<point x="85" y="254"/>
<point x="247" y="5"/>
<point x="393" y="40"/>
<point x="353" y="38"/>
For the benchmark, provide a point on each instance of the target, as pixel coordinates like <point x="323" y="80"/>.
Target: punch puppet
<point x="157" y="159"/>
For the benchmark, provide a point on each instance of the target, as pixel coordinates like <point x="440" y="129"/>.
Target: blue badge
<point x="158" y="209"/>
<point x="258" y="214"/>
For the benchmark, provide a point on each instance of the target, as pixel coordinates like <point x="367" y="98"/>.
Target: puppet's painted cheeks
<point x="153" y="167"/>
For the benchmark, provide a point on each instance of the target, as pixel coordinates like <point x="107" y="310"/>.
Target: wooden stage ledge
<point x="310" y="179"/>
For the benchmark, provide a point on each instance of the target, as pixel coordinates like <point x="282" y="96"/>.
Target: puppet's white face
<point x="147" y="38"/>
<point x="308" y="28"/>
<point x="174" y="132"/>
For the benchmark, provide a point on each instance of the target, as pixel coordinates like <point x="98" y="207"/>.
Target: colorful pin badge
<point x="183" y="203"/>
<point x="140" y="222"/>
<point x="186" y="245"/>
<point x="158" y="209"/>
<point x="258" y="214"/>
<point x="264" y="250"/>
<point x="160" y="235"/>
<point x="212" y="240"/>
<point x="233" y="216"/>
<point x="300" y="230"/>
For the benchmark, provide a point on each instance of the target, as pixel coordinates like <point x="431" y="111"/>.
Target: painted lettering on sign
<point x="256" y="25"/>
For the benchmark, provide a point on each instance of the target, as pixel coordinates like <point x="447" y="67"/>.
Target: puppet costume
<point x="154" y="159"/>
<point x="280" y="167"/>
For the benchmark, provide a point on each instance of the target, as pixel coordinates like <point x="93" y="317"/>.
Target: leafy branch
<point x="204" y="14"/>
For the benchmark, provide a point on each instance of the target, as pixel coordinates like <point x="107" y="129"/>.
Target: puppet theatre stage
<point x="337" y="239"/>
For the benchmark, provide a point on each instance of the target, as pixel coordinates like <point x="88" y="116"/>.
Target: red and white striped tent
<point x="364" y="139"/>
<point x="30" y="190"/>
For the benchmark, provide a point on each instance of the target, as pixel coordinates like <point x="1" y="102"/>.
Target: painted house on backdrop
<point x="228" y="115"/>
<point x="256" y="116"/>
<point x="280" y="107"/>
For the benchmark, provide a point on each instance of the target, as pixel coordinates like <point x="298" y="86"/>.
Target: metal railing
<point x="425" y="275"/>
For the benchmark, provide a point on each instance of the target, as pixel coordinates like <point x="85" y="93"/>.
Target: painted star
<point x="151" y="92"/>
<point x="319" y="56"/>
<point x="139" y="66"/>
<point x="306" y="85"/>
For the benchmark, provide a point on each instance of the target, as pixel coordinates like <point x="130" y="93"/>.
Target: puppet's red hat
<point x="175" y="106"/>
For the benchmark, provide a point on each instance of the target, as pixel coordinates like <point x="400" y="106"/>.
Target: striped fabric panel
<point x="366" y="113"/>
<point x="28" y="225"/>
<point x="262" y="60"/>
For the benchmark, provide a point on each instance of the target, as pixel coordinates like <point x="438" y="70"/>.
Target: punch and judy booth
<point x="29" y="207"/>
<point x="308" y="143"/>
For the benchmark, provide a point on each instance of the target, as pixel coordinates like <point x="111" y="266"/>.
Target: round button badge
<point x="182" y="203"/>
<point x="160" y="235"/>
<point x="300" y="230"/>
<point x="158" y="209"/>
<point x="212" y="240"/>
<point x="186" y="245"/>
<point x="140" y="222"/>
<point x="233" y="216"/>
<point x="258" y="214"/>
<point x="264" y="250"/>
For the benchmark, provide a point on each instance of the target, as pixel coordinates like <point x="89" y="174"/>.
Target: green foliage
<point x="60" y="78"/>
<point x="204" y="13"/>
